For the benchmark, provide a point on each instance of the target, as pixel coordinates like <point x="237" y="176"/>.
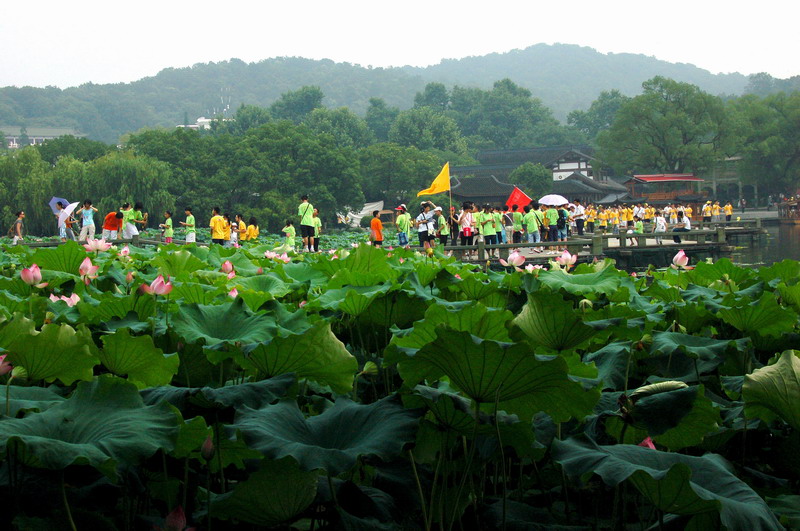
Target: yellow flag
<point x="440" y="184"/>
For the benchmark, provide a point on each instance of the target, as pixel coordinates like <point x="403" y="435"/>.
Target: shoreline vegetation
<point x="241" y="388"/>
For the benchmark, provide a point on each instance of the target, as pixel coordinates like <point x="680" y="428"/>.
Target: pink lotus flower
<point x="302" y="303"/>
<point x="530" y="268"/>
<point x="401" y="260"/>
<point x="680" y="260"/>
<point x="32" y="276"/>
<point x="176" y="521"/>
<point x="94" y="246"/>
<point x="227" y="267"/>
<point x="129" y="277"/>
<point x="125" y="251"/>
<point x="647" y="443"/>
<point x="633" y="274"/>
<point x="270" y="255"/>
<point x="231" y="275"/>
<point x="514" y="259"/>
<point x="457" y="276"/>
<point x="259" y="271"/>
<point x="233" y="293"/>
<point x="87" y="270"/>
<point x="71" y="301"/>
<point x="5" y="367"/>
<point x="284" y="258"/>
<point x="158" y="287"/>
<point x="566" y="259"/>
<point x="236" y="245"/>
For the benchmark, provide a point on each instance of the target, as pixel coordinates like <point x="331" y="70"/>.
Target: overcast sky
<point x="64" y="44"/>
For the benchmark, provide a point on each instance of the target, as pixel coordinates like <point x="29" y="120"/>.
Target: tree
<point x="380" y="118"/>
<point x="426" y="128"/>
<point x="79" y="148"/>
<point x="394" y="173"/>
<point x="296" y="105"/>
<point x="434" y="95"/>
<point x="3" y="142"/>
<point x="533" y="179"/>
<point x="247" y="117"/>
<point x="600" y="115"/>
<point x="348" y="129"/>
<point x="23" y="139"/>
<point x="672" y="127"/>
<point x="770" y="140"/>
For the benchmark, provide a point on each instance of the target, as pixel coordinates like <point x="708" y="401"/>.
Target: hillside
<point x="565" y="77"/>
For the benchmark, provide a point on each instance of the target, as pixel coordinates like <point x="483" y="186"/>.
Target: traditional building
<point x="480" y="190"/>
<point x="562" y="160"/>
<point x="663" y="186"/>
<point x="15" y="135"/>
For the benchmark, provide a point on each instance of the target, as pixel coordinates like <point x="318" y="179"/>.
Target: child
<point x="638" y="228"/>
<point x="191" y="230"/>
<point x="659" y="225"/>
<point x="167" y="226"/>
<point x="252" y="230"/>
<point x="290" y="233"/>
<point x="403" y="223"/>
<point x="317" y="229"/>
<point x="112" y="224"/>
<point x="376" y="229"/>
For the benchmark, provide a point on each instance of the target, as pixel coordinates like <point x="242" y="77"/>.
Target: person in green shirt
<point x="169" y="232"/>
<point x="533" y="223"/>
<point x="290" y="233"/>
<point x="488" y="226"/>
<point x="306" y="213"/>
<point x="443" y="228"/>
<point x="317" y="229"/>
<point x="638" y="228"/>
<point x="403" y="224"/>
<point x="552" y="220"/>
<point x="129" y="229"/>
<point x="516" y="224"/>
<point x="191" y="230"/>
<point x="498" y="220"/>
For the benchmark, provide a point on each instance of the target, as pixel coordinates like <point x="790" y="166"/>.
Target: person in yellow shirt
<point x="715" y="212"/>
<point x="226" y="231"/>
<point x="217" y="225"/>
<point x="591" y="215"/>
<point x="252" y="230"/>
<point x="240" y="228"/>
<point x="602" y="219"/>
<point x="688" y="211"/>
<point x="728" y="208"/>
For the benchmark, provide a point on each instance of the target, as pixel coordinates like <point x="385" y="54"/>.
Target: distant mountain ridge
<point x="563" y="76"/>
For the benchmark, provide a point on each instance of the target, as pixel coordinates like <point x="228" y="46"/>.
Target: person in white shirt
<point x="579" y="216"/>
<point x="424" y="225"/>
<point x="684" y="225"/>
<point x="659" y="225"/>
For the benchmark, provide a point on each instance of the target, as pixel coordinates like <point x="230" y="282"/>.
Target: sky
<point x="70" y="43"/>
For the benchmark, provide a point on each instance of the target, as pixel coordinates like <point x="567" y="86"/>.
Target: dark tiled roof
<point x="481" y="186"/>
<point x="602" y="186"/>
<point x="541" y="155"/>
<point x="569" y="186"/>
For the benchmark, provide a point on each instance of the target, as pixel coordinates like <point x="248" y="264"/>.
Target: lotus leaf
<point x="274" y="494"/>
<point x="252" y="394"/>
<point x="230" y="322"/>
<point x="775" y="389"/>
<point x="674" y="483"/>
<point x="57" y="352"/>
<point x="138" y="359"/>
<point x="66" y="258"/>
<point x="316" y="354"/>
<point x="29" y="399"/>
<point x="550" y="321"/>
<point x="333" y="440"/>
<point x="173" y="264"/>
<point x="607" y="280"/>
<point x="104" y="424"/>
<point x="764" y="316"/>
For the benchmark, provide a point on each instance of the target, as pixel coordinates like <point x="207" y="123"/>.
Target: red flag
<point x="518" y="197"/>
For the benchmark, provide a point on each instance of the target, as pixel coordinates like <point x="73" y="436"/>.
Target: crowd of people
<point x="535" y="223"/>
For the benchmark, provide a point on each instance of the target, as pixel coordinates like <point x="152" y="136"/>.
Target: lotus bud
<point x="5" y="367"/>
<point x="585" y="305"/>
<point x="260" y="271"/>
<point x="370" y="369"/>
<point x="429" y="251"/>
<point x="129" y="276"/>
<point x="48" y="317"/>
<point x="207" y="450"/>
<point x="19" y="373"/>
<point x="647" y="443"/>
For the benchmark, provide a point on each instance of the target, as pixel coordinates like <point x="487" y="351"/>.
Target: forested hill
<point x="565" y="77"/>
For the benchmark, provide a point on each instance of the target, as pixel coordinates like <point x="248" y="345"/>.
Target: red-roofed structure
<point x="662" y="186"/>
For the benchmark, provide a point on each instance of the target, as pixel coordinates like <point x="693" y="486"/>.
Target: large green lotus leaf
<point x="775" y="389"/>
<point x="173" y="264"/>
<point x="550" y="321"/>
<point x="66" y="258"/>
<point x="275" y="494"/>
<point x="764" y="316"/>
<point x="684" y="357"/>
<point x="474" y="318"/>
<point x="790" y="295"/>
<point x="300" y="273"/>
<point x="787" y="506"/>
<point x="787" y="271"/>
<point x="230" y="322"/>
<point x="193" y="292"/>
<point x="251" y="394"/>
<point x="333" y="440"/>
<point x="678" y="419"/>
<point x="705" y="273"/>
<point x="490" y="371"/>
<point x="615" y="362"/>
<point x="29" y="399"/>
<point x="103" y="424"/>
<point x="138" y="359"/>
<point x="25" y="304"/>
<point x="57" y="352"/>
<point x="475" y="288"/>
<point x="316" y="354"/>
<point x="353" y="300"/>
<point x="269" y="283"/>
<point x="607" y="280"/>
<point x="369" y="260"/>
<point x="108" y="306"/>
<point x="675" y="483"/>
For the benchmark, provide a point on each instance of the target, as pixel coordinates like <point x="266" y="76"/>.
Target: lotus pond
<point x="370" y="389"/>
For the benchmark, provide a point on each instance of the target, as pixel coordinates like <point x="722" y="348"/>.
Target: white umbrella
<point x="67" y="212"/>
<point x="553" y="199"/>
